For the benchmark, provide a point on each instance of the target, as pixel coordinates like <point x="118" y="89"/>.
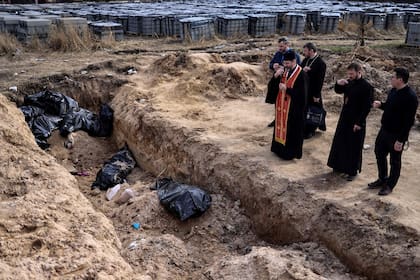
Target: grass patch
<point x="8" y="44"/>
<point x="106" y="42"/>
<point x="388" y="45"/>
<point x="69" y="39"/>
<point x="340" y="49"/>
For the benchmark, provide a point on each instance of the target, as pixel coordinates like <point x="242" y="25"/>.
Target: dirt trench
<point x="252" y="206"/>
<point x="221" y="244"/>
<point x="282" y="211"/>
<point x="290" y="212"/>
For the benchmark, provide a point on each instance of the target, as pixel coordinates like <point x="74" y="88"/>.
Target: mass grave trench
<point x="373" y="246"/>
<point x="237" y="236"/>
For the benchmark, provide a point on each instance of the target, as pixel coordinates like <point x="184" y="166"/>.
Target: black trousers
<point x="310" y="128"/>
<point x="384" y="145"/>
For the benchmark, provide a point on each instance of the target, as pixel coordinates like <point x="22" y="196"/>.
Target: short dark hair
<point x="283" y="40"/>
<point x="402" y="73"/>
<point x="310" y="46"/>
<point x="354" y="66"/>
<point x="289" y="55"/>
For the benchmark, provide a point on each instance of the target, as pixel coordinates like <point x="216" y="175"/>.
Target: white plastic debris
<point x="125" y="196"/>
<point x="366" y="146"/>
<point x="14" y="88"/>
<point x="110" y="193"/>
<point x="131" y="71"/>
<point x="132" y="245"/>
<point x="84" y="72"/>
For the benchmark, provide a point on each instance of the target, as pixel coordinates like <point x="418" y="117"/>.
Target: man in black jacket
<point x="315" y="67"/>
<point x="346" y="149"/>
<point x="398" y="118"/>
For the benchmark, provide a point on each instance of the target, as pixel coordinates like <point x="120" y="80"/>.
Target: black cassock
<point x="316" y="79"/>
<point x="346" y="149"/>
<point x="272" y="90"/>
<point x="295" y="121"/>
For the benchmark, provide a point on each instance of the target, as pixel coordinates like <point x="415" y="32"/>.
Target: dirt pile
<point x="165" y="248"/>
<point x="377" y="67"/>
<point x="268" y="263"/>
<point x="47" y="228"/>
<point x="205" y="75"/>
<point x="189" y="121"/>
<point x="222" y="154"/>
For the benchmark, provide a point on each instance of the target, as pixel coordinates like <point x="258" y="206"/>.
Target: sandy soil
<point x="236" y="118"/>
<point x="208" y="102"/>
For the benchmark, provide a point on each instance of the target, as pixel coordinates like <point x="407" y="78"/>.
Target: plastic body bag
<point x="184" y="201"/>
<point x="89" y="122"/>
<point x="40" y="124"/>
<point x="53" y="103"/>
<point x="115" y="170"/>
<point x="47" y="110"/>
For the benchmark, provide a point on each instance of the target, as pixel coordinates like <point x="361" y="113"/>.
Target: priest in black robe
<point x="290" y="110"/>
<point x="346" y="150"/>
<point x="276" y="64"/>
<point x="315" y="67"/>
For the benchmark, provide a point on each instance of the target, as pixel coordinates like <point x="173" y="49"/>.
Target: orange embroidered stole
<point x="283" y="106"/>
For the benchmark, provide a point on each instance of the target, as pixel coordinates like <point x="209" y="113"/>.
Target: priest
<point x="346" y="149"/>
<point x="290" y="107"/>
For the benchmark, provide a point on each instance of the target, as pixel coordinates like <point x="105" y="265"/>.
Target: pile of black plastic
<point x="47" y="111"/>
<point x="115" y="170"/>
<point x="183" y="201"/>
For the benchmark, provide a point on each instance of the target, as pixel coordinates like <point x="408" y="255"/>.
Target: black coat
<point x="316" y="76"/>
<point x="346" y="149"/>
<point x="316" y="79"/>
<point x="399" y="112"/>
<point x="272" y="90"/>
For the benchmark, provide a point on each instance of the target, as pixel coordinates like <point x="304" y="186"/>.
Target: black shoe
<point x="271" y="124"/>
<point x="385" y="190"/>
<point x="377" y="184"/>
<point x="308" y="135"/>
<point x="350" y="177"/>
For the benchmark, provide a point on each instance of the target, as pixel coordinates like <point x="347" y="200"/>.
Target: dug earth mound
<point x="202" y="121"/>
<point x="223" y="141"/>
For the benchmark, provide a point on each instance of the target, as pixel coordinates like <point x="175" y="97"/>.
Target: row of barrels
<point x="232" y="25"/>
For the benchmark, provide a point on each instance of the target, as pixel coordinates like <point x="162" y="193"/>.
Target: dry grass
<point x="69" y="39"/>
<point x="107" y="42"/>
<point x="61" y="39"/>
<point x="36" y="44"/>
<point x="8" y="44"/>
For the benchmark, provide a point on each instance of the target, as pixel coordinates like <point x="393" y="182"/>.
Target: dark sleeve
<point x="272" y="90"/>
<point x="366" y="100"/>
<point x="319" y="73"/>
<point x="299" y="91"/>
<point x="303" y="62"/>
<point x="297" y="58"/>
<point x="339" y="89"/>
<point x="408" y="116"/>
<point x="383" y="104"/>
<point x="274" y="60"/>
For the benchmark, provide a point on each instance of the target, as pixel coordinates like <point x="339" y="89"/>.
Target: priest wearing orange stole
<point x="290" y="107"/>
